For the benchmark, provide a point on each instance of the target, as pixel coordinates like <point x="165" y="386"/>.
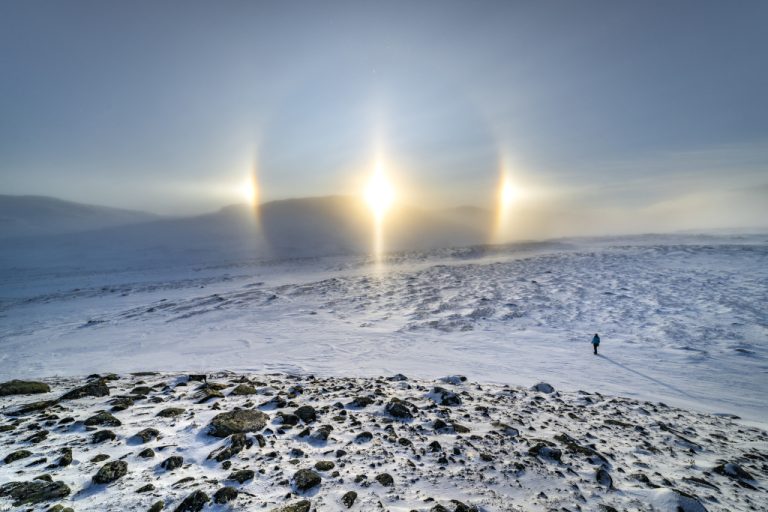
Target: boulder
<point x="34" y="492"/>
<point x="225" y="495"/>
<point x="23" y="387"/>
<point x="543" y="387"/>
<point x="194" y="502"/>
<point x="95" y="388"/>
<point x="237" y="422"/>
<point x="305" y="479"/>
<point x="110" y="472"/>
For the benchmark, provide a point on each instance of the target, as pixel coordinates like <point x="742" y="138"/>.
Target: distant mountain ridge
<point x="71" y="234"/>
<point x="42" y="215"/>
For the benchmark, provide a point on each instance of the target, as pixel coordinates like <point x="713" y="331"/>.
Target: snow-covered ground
<point x="683" y="319"/>
<point x="270" y="441"/>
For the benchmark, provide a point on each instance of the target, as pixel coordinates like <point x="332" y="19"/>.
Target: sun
<point x="248" y="191"/>
<point x="379" y="194"/>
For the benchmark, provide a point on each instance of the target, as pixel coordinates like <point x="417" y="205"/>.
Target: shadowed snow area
<point x="682" y="318"/>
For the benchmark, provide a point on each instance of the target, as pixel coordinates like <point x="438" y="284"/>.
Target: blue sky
<point x="165" y="105"/>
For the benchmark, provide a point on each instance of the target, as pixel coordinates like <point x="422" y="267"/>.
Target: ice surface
<point x="682" y="319"/>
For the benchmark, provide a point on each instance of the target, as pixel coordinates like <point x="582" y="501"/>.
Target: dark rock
<point x="103" y="435"/>
<point x="299" y="506"/>
<point x="349" y="498"/>
<point x="23" y="387"/>
<point x="398" y="409"/>
<point x="157" y="506"/>
<point x="172" y="463"/>
<point x="324" y="465"/>
<point x="445" y="397"/>
<point x="363" y="437"/>
<point x="171" y="412"/>
<point x="322" y="433"/>
<point x="288" y="419"/>
<point x="603" y="478"/>
<point x="17" y="455"/>
<point x="237" y="443"/>
<point x="236" y="422"/>
<point x="110" y="472"/>
<point x="95" y="388"/>
<point x="33" y="407"/>
<point x="385" y="479"/>
<point x="121" y="403"/>
<point x="146" y="488"/>
<point x="37" y="437"/>
<point x="242" y="390"/>
<point x="434" y="447"/>
<point x="305" y="479"/>
<point x="543" y="387"/>
<point x="194" y="502"/>
<point x="147" y="434"/>
<point x="99" y="458"/>
<point x="225" y="495"/>
<point x="734" y="471"/>
<point x="66" y="457"/>
<point x="398" y="377"/>
<point x="306" y="413"/>
<point x="102" y="418"/>
<point x="461" y="507"/>
<point x="241" y="476"/>
<point x="546" y="452"/>
<point x="362" y="401"/>
<point x="34" y="492"/>
<point x="146" y="453"/>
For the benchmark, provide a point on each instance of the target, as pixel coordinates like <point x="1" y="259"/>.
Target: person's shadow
<point x="648" y="377"/>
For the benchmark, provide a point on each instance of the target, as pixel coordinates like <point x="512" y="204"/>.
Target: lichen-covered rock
<point x="398" y="409"/>
<point x="241" y="476"/>
<point x="306" y="413"/>
<point x="237" y="443"/>
<point x="171" y="463"/>
<point x="734" y="471"/>
<point x="385" y="479"/>
<point x="543" y="387"/>
<point x="34" y="492"/>
<point x="349" y="498"/>
<point x="237" y="422"/>
<point x="23" y="387"/>
<point x="147" y="434"/>
<point x="299" y="506"/>
<point x="102" y="436"/>
<point x="111" y="471"/>
<point x="171" y="412"/>
<point x="194" y="502"/>
<point x="324" y="465"/>
<point x="96" y="388"/>
<point x="17" y="455"/>
<point x="305" y="479"/>
<point x="102" y="418"/>
<point x="243" y="390"/>
<point x="225" y="495"/>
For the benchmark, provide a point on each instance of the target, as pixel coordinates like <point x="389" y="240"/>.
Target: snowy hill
<point x="39" y="215"/>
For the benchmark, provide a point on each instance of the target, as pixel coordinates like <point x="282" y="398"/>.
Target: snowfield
<point x="286" y="443"/>
<point x="683" y="319"/>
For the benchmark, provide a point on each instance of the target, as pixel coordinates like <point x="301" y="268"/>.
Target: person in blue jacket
<point x="595" y="342"/>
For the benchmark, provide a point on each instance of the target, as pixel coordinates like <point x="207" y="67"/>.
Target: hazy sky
<point x="634" y="106"/>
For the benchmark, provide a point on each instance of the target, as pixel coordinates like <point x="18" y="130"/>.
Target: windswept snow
<point x="682" y="319"/>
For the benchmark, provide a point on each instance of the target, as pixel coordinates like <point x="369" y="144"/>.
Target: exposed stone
<point x="171" y="412"/>
<point x="398" y="409"/>
<point x="349" y="498"/>
<point x="17" y="455"/>
<point x="103" y="435"/>
<point x="23" y="387"/>
<point x="194" y="502"/>
<point x="172" y="463"/>
<point x="238" y="421"/>
<point x="96" y="388"/>
<point x="241" y="476"/>
<point x="225" y="495"/>
<point x="385" y="479"/>
<point x="306" y="413"/>
<point x="305" y="479"/>
<point x="102" y="418"/>
<point x="111" y="471"/>
<point x="242" y="390"/>
<point x="34" y="492"/>
<point x="147" y="434"/>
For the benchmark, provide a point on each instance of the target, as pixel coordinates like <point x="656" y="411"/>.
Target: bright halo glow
<point x="509" y="193"/>
<point x="379" y="194"/>
<point x="248" y="191"/>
